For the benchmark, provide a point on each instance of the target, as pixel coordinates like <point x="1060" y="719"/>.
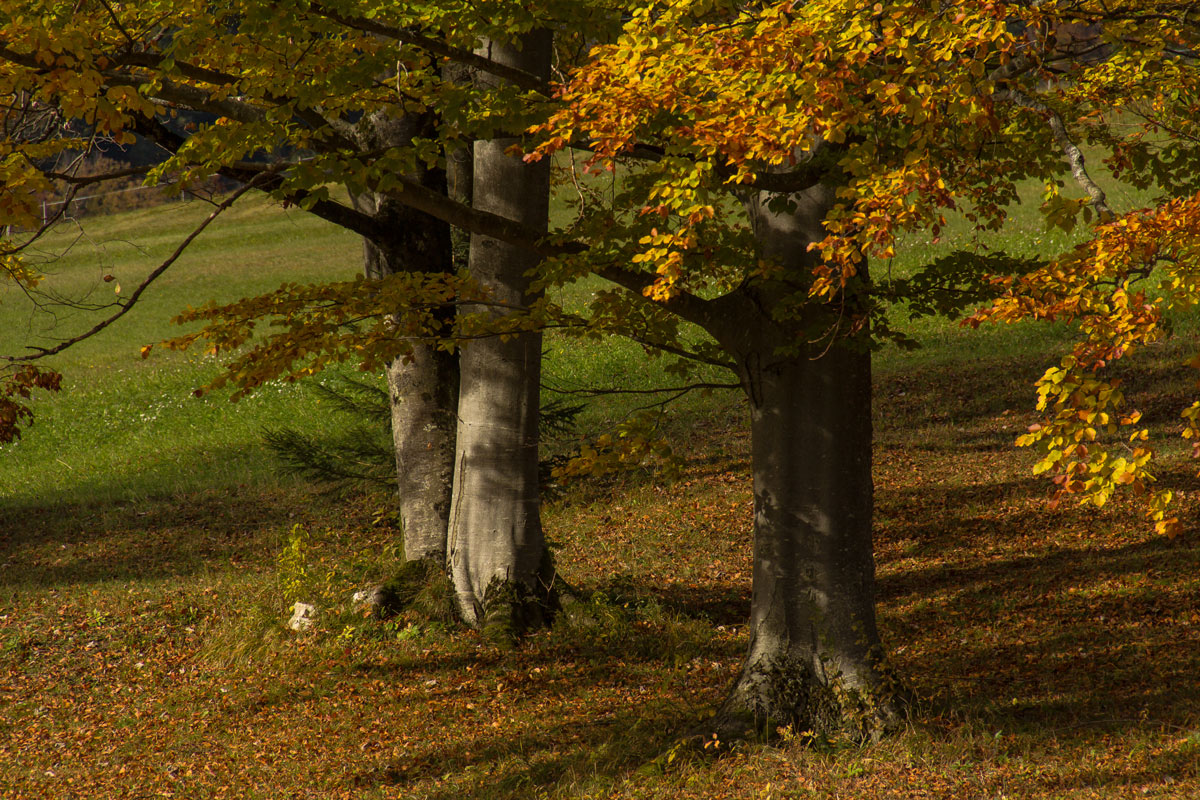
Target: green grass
<point x="129" y="428"/>
<point x="143" y="653"/>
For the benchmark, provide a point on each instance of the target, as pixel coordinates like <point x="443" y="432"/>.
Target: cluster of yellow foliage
<point x="913" y="111"/>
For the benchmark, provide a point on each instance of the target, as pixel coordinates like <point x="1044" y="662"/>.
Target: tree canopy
<point x="281" y="88"/>
<point x="915" y="111"/>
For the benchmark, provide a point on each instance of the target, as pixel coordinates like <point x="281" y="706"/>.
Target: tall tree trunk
<point x="815" y="657"/>
<point x="815" y="661"/>
<point x="423" y="385"/>
<point x="498" y="558"/>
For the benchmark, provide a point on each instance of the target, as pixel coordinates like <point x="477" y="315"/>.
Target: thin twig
<point x="120" y="25"/>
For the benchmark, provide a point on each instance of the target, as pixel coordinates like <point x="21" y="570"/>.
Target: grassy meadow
<point x="150" y="545"/>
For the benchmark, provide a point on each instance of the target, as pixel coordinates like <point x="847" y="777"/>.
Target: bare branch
<point x="1070" y="151"/>
<point x="605" y="391"/>
<point x="87" y="180"/>
<point x="129" y="303"/>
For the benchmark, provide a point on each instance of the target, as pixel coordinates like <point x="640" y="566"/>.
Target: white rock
<point x="303" y="615"/>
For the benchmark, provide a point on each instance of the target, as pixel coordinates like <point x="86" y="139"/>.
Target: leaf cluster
<point x="17" y="386"/>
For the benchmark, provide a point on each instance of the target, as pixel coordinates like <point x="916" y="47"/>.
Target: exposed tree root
<point x="784" y="696"/>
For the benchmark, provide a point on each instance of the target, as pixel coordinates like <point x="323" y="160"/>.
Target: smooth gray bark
<point x="815" y="661"/>
<point x="497" y="549"/>
<point x="423" y="384"/>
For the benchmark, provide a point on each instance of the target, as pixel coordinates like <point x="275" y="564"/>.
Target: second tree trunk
<point x="498" y="559"/>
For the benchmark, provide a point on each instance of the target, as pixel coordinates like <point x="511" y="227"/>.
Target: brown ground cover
<point x="1056" y="653"/>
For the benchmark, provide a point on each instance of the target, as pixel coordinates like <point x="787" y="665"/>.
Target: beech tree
<point x="422" y="382"/>
<point x="780" y="148"/>
<point x="498" y="558"/>
<point x="838" y="128"/>
<point x="304" y="97"/>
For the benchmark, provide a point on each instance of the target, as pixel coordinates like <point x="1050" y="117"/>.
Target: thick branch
<point x="22" y="60"/>
<point x="154" y="61"/>
<point x="683" y="304"/>
<point x="518" y="77"/>
<point x="799" y="179"/>
<point x="87" y="180"/>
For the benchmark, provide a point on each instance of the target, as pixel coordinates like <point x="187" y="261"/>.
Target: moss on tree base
<point x="513" y="608"/>
<point x="783" y="696"/>
<point x="422" y="587"/>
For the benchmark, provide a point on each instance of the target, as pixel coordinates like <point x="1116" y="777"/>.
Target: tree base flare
<point x="511" y="609"/>
<point x="784" y="696"/>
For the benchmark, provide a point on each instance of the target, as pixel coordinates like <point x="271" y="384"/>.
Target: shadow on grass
<point x="79" y="543"/>
<point x="516" y="764"/>
<point x="582" y="727"/>
<point x="1064" y="569"/>
<point x="1069" y="641"/>
<point x="909" y="402"/>
<point x="1056" y="625"/>
<point x="718" y="603"/>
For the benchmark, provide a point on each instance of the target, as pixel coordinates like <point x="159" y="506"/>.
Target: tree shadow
<point x="1075" y="640"/>
<point x="579" y="729"/>
<point x="962" y="393"/>
<point x="67" y="544"/>
<point x="520" y="765"/>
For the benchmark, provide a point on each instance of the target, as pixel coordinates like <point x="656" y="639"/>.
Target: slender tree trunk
<point x="498" y="558"/>
<point x="815" y="661"/>
<point x="423" y="384"/>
